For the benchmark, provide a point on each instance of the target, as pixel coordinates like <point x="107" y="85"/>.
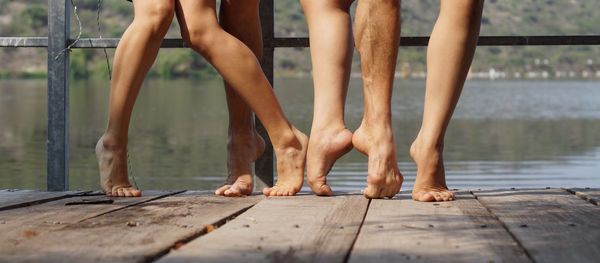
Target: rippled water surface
<point x="504" y="134"/>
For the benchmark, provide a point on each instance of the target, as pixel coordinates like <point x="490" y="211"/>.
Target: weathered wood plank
<point x="589" y="194"/>
<point x="284" y="229"/>
<point x="136" y="234"/>
<point x="10" y="199"/>
<point x="22" y="224"/>
<point x="552" y="225"/>
<point x="401" y="230"/>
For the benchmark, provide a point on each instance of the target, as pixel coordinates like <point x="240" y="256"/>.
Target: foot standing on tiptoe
<point x="377" y="33"/>
<point x="449" y="57"/>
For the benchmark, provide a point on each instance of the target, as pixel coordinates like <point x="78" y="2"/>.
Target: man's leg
<point x="331" y="47"/>
<point x="377" y="36"/>
<point x="134" y="56"/>
<point x="449" y="57"/>
<point x="240" y="68"/>
<point x="240" y="18"/>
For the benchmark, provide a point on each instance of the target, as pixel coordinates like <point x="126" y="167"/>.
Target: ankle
<point x="428" y="144"/>
<point x="377" y="130"/>
<point x="113" y="143"/>
<point x="328" y="128"/>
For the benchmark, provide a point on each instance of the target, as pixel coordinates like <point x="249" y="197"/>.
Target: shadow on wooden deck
<point x="525" y="225"/>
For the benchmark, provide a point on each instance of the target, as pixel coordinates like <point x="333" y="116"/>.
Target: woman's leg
<point x="241" y="19"/>
<point x="331" y="46"/>
<point x="377" y="36"/>
<point x="240" y="68"/>
<point x="134" y="56"/>
<point x="449" y="57"/>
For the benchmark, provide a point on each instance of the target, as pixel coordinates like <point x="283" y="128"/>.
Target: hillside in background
<point x="507" y="17"/>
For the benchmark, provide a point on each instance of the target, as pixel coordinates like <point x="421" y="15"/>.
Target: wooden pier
<point x="525" y="225"/>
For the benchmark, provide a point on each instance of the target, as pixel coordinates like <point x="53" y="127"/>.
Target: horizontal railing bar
<point x="23" y="42"/>
<point x="279" y="42"/>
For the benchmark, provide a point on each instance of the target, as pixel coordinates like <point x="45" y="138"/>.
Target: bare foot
<point x="112" y="164"/>
<point x="291" y="159"/>
<point x="430" y="184"/>
<point x="324" y="148"/>
<point x="384" y="178"/>
<point x="242" y="151"/>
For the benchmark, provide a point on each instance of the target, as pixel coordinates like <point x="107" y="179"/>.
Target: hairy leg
<point x="377" y="36"/>
<point x="331" y="47"/>
<point x="134" y="56"/>
<point x="449" y="57"/>
<point x="240" y="68"/>
<point x="241" y="19"/>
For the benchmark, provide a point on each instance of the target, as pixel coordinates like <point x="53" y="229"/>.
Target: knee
<point x="201" y="39"/>
<point x="157" y="16"/>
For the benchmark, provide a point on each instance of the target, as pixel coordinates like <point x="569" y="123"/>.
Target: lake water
<point x="504" y="133"/>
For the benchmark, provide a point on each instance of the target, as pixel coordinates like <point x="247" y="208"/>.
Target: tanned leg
<point x="331" y="47"/>
<point x="240" y="68"/>
<point x="449" y="57"/>
<point x="134" y="56"/>
<point x="377" y="36"/>
<point x="241" y="19"/>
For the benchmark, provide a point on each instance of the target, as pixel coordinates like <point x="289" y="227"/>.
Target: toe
<point x="128" y="192"/>
<point x="267" y="191"/>
<point x="137" y="193"/>
<point x="221" y="190"/>
<point x="423" y="197"/>
<point x="372" y="192"/>
<point x="233" y="191"/>
<point x="120" y="192"/>
<point x="438" y="196"/>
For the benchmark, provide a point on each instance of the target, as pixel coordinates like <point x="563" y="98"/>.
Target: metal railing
<point x="59" y="14"/>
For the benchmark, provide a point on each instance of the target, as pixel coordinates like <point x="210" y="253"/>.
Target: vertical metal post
<point x="264" y="165"/>
<point x="59" y="16"/>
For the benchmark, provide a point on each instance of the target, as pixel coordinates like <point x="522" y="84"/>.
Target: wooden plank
<point x="136" y="234"/>
<point x="304" y="228"/>
<point x="17" y="225"/>
<point x="10" y="199"/>
<point x="401" y="230"/>
<point x="589" y="194"/>
<point x="552" y="225"/>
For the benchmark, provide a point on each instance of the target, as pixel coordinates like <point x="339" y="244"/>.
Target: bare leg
<point x="377" y="35"/>
<point x="135" y="54"/>
<point x="449" y="57"/>
<point x="240" y="19"/>
<point x="331" y="53"/>
<point x="240" y="68"/>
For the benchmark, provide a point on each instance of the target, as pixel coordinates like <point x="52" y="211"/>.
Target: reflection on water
<point x="505" y="133"/>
